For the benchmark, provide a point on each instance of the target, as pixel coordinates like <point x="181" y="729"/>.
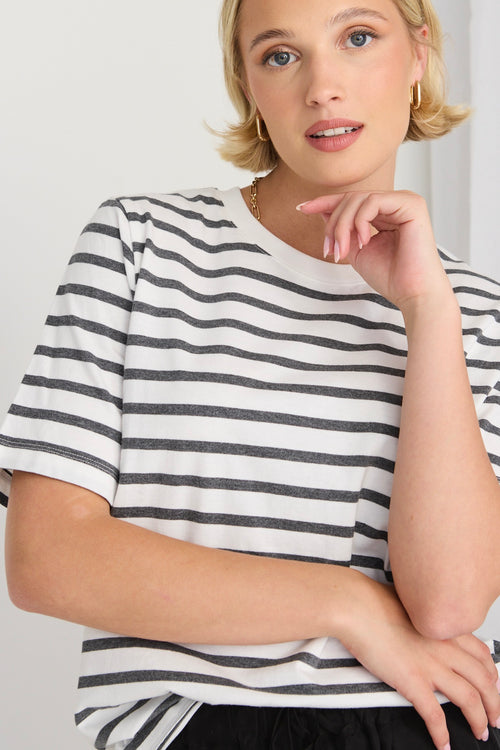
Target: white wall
<point x="98" y="99"/>
<point x="485" y="148"/>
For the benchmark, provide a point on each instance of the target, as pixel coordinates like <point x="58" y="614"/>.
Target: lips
<point x="333" y="128"/>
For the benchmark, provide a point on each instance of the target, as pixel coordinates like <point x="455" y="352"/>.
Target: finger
<point x="468" y="698"/>
<point x="345" y="229"/>
<point x="480" y="651"/>
<point x="341" y="229"/>
<point x="426" y="704"/>
<point x="323" y="205"/>
<point x="475" y="669"/>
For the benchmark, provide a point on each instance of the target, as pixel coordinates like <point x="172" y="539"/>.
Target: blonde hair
<point x="241" y="144"/>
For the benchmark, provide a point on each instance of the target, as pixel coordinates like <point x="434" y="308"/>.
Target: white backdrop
<point x="101" y="99"/>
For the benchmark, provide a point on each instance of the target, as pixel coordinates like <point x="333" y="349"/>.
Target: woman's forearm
<point x="445" y="506"/>
<point x="68" y="558"/>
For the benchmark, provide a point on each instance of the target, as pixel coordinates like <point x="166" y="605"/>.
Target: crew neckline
<point x="327" y="275"/>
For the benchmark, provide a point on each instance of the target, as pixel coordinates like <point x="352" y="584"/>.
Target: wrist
<point x="361" y="594"/>
<point x="430" y="311"/>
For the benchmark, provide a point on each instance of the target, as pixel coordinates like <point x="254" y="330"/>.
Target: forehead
<point x="254" y="10"/>
<point x="283" y="14"/>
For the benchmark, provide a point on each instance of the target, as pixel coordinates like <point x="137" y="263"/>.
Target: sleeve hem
<point x="67" y="469"/>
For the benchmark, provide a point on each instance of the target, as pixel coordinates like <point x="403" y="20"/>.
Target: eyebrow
<point x="342" y="17"/>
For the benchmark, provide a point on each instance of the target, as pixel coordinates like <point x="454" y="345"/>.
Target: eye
<point x="280" y="59"/>
<point x="359" y="39"/>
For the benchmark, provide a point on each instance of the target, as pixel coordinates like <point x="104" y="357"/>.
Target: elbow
<point x="29" y="582"/>
<point x="443" y="621"/>
<point x="24" y="591"/>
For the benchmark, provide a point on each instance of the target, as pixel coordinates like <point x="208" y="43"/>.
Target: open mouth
<point x="333" y="132"/>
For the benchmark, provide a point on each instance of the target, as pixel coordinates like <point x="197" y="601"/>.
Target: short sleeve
<point x="65" y="422"/>
<point x="483" y="364"/>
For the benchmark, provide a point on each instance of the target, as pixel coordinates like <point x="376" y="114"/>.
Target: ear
<point x="421" y="53"/>
<point x="245" y="91"/>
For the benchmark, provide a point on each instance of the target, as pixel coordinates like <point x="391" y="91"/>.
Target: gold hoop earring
<point x="416" y="95"/>
<point x="259" y="122"/>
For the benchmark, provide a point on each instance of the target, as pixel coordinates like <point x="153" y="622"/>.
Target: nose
<point x="325" y="82"/>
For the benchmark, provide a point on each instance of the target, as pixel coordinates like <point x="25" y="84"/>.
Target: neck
<point x="282" y="190"/>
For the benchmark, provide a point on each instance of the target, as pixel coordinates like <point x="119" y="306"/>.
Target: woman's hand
<point x="379" y="633"/>
<point x="387" y="237"/>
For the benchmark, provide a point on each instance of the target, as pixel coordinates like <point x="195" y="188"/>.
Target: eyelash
<point x="357" y="32"/>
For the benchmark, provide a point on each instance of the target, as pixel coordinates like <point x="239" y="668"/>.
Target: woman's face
<point x="331" y="79"/>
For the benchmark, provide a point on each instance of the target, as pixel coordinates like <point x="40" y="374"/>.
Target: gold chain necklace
<point x="253" y="198"/>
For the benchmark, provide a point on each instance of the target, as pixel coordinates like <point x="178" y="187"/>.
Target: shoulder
<point x="468" y="284"/>
<point x="479" y="299"/>
<point x="191" y="203"/>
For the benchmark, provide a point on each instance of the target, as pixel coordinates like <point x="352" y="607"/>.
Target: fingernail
<point x="497" y="723"/>
<point x="327" y="247"/>
<point x="485" y="736"/>
<point x="301" y="205"/>
<point x="498" y="685"/>
<point x="447" y="747"/>
<point x="360" y="242"/>
<point x="336" y="252"/>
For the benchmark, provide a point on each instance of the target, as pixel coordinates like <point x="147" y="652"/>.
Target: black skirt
<point x="248" y="728"/>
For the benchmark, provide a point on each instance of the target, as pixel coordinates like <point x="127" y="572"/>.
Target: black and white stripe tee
<point x="218" y="386"/>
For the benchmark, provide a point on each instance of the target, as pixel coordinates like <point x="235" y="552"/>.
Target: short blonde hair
<point x="240" y="142"/>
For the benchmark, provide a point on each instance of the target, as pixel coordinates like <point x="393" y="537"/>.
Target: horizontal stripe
<point x="236" y="521"/>
<point x="375" y="497"/>
<point x="477" y="292"/>
<point x="60" y="417"/>
<point x="174" y="376"/>
<point x="231" y="485"/>
<point x="199" y="244"/>
<point x="256" y="451"/>
<point x="39" y="446"/>
<point x="248" y="415"/>
<point x="151" y="200"/>
<point x="80" y="355"/>
<point x="71" y="387"/>
<point x="321" y="341"/>
<point x="143" y="218"/>
<point x="100" y="228"/>
<point x="266" y="305"/>
<point x="482" y="364"/>
<point x="478" y="312"/>
<point x="488" y="427"/>
<point x="331" y="317"/>
<point x="234" y="662"/>
<point x="72" y="321"/>
<point x="231" y="351"/>
<point x="268" y="279"/>
<point x="84" y="290"/>
<point x="123" y="678"/>
<point x="99" y="261"/>
<point x="208" y="200"/>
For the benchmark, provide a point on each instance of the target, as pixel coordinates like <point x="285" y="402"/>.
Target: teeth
<point x="333" y="132"/>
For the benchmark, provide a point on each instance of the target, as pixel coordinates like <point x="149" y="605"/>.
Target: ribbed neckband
<point x="328" y="275"/>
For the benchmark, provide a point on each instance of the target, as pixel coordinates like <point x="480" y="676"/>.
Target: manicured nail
<point x="360" y="242"/>
<point x="497" y="723"/>
<point x="498" y="686"/>
<point x="327" y="247"/>
<point x="447" y="747"/>
<point x="336" y="252"/>
<point x="301" y="205"/>
<point x="485" y="736"/>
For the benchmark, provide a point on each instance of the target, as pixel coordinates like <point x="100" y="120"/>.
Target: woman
<point x="227" y="394"/>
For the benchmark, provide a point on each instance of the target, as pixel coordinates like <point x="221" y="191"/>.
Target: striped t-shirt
<point x="218" y="386"/>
